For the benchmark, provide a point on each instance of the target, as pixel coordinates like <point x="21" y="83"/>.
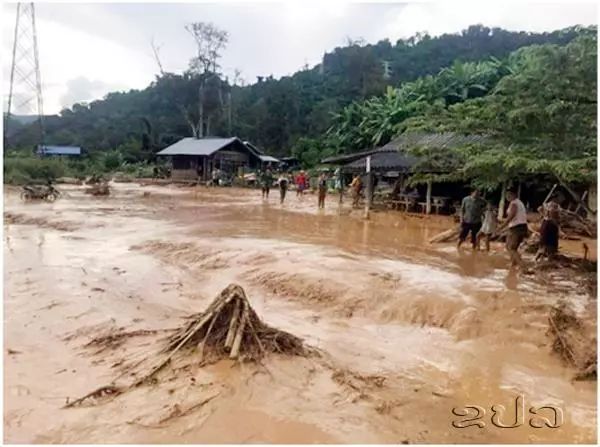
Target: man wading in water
<point x="516" y="219"/>
<point x="283" y="185"/>
<point x="265" y="182"/>
<point x="471" y="211"/>
<point x="356" y="186"/>
<point x="322" y="190"/>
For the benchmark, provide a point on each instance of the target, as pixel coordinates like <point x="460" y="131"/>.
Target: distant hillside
<point x="275" y="113"/>
<point x="25" y="119"/>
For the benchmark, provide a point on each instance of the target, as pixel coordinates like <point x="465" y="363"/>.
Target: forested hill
<point x="272" y="113"/>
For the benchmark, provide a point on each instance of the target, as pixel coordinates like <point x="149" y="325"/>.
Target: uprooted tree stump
<point x="228" y="328"/>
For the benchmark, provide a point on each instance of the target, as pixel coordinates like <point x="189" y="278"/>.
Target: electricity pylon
<point x="25" y="95"/>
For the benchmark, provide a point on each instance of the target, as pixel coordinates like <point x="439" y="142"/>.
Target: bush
<point x="112" y="160"/>
<point x="21" y="170"/>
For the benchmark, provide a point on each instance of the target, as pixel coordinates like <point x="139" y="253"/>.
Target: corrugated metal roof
<point x="390" y="160"/>
<point x="59" y="150"/>
<point x="268" y="159"/>
<point x="411" y="140"/>
<point x="254" y="148"/>
<point x="347" y="158"/>
<point x="194" y="146"/>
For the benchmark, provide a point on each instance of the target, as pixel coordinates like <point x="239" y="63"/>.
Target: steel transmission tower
<point x="25" y="96"/>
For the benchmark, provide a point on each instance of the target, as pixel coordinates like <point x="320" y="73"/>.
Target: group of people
<point x="480" y="219"/>
<point x="301" y="181"/>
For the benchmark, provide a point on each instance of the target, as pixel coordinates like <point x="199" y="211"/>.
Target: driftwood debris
<point x="573" y="340"/>
<point x="446" y="236"/>
<point x="231" y="328"/>
<point x="228" y="328"/>
<point x="572" y="227"/>
<point x="573" y="223"/>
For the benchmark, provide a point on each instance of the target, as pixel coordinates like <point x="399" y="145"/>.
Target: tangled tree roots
<point x="228" y="328"/>
<point x="231" y="328"/>
<point x="573" y="342"/>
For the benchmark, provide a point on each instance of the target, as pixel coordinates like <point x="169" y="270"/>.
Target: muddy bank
<point x="409" y="331"/>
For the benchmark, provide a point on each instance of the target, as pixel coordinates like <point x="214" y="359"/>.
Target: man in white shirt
<point x="516" y="219"/>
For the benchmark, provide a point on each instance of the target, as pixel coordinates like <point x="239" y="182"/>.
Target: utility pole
<point x="369" y="187"/>
<point x="25" y="94"/>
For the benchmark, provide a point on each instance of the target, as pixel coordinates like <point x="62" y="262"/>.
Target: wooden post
<point x="428" y="196"/>
<point x="583" y="197"/>
<point x="502" y="200"/>
<point x="550" y="193"/>
<point x="369" y="188"/>
<point x="341" y="179"/>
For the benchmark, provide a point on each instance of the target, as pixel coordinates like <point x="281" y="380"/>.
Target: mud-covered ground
<point x="407" y="331"/>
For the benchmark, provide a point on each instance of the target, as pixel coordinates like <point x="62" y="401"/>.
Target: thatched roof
<point x="427" y="140"/>
<point x="347" y="158"/>
<point x="393" y="155"/>
<point x="384" y="160"/>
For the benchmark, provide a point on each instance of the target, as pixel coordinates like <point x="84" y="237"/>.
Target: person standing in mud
<point x="356" y="186"/>
<point x="214" y="177"/>
<point x="549" y="233"/>
<point x="322" y="187"/>
<point x="471" y="212"/>
<point x="283" y="186"/>
<point x="266" y="181"/>
<point x="490" y="223"/>
<point x="300" y="184"/>
<point x="516" y="220"/>
<point x="339" y="183"/>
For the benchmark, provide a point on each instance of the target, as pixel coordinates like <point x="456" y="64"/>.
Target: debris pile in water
<point x="573" y="342"/>
<point x="228" y="328"/>
<point x="572" y="224"/>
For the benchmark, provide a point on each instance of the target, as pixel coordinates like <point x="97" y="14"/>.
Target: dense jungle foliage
<point x="534" y="93"/>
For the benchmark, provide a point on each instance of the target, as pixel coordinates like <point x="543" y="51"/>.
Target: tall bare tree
<point x="155" y="50"/>
<point x="210" y="41"/>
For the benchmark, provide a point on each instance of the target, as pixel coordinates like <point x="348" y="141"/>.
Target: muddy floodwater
<point x="408" y="331"/>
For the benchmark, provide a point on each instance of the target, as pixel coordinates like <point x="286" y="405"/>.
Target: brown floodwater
<point x="408" y="331"/>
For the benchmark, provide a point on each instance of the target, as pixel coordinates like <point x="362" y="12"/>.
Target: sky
<point x="88" y="50"/>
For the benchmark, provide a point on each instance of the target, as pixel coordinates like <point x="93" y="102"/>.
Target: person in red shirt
<point x="300" y="184"/>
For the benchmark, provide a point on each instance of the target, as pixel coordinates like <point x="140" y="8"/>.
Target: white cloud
<point x="82" y="89"/>
<point x="450" y="17"/>
<point x="108" y="44"/>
